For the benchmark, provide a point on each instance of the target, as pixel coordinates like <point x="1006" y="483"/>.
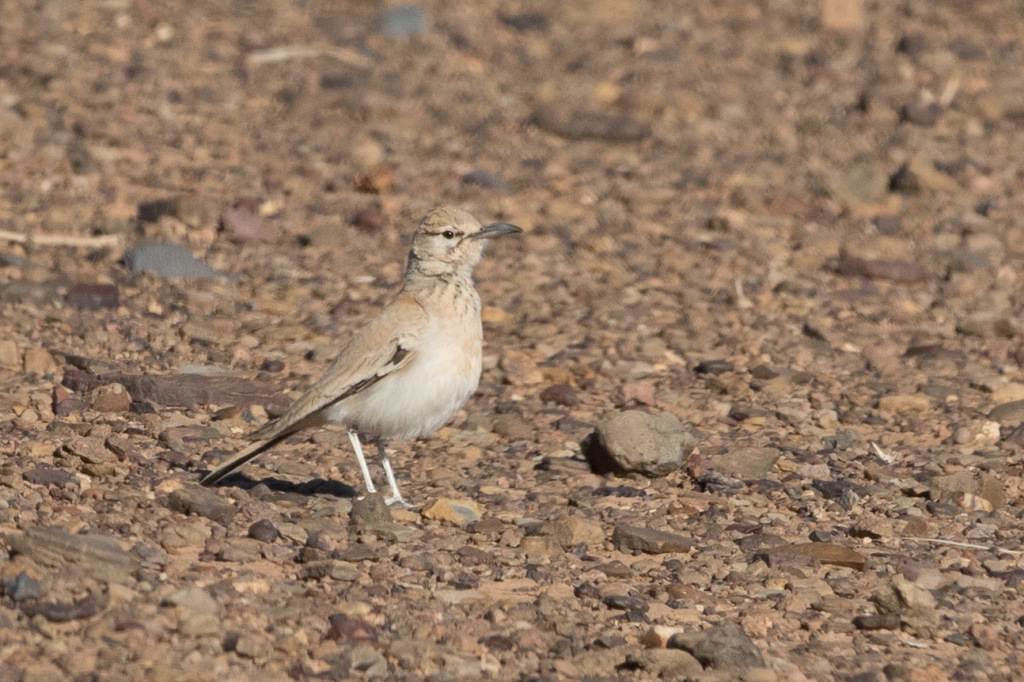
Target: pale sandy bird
<point x="412" y="367"/>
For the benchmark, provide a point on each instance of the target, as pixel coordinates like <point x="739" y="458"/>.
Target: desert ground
<point x="752" y="405"/>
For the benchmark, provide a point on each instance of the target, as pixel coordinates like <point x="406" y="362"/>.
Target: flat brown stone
<point x="825" y="552"/>
<point x="903" y="271"/>
<point x="185" y="390"/>
<point x="649" y="540"/>
<point x="202" y="502"/>
<point x="98" y="555"/>
<point x="590" y="125"/>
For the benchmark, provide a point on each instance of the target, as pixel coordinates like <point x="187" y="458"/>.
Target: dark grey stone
<point x="720" y="647"/>
<point x="406" y="20"/>
<point x="166" y="260"/>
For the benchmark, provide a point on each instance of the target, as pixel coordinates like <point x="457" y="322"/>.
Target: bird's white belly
<point x="419" y="398"/>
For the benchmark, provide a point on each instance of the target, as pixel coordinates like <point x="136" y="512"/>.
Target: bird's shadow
<point x="314" y="486"/>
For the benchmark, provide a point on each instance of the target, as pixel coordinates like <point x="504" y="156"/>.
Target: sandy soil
<point x="789" y="232"/>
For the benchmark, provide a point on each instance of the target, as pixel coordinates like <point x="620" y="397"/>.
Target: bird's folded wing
<point x="386" y="344"/>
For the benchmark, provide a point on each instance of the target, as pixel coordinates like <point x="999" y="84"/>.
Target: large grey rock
<point x="720" y="647"/>
<point x="197" y="612"/>
<point x="404" y="20"/>
<point x="166" y="260"/>
<point x="915" y="605"/>
<point x="100" y="556"/>
<point x="1008" y="413"/>
<point x="988" y="487"/>
<point x="365" y="661"/>
<point x="650" y="444"/>
<point x="900" y="594"/>
<point x="668" y="664"/>
<point x="23" y="587"/>
<point x="370" y="511"/>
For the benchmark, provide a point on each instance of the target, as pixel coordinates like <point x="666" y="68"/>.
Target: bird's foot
<point x="397" y="499"/>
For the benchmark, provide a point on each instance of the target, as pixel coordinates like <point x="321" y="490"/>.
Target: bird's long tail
<point x="243" y="457"/>
<point x="267" y="437"/>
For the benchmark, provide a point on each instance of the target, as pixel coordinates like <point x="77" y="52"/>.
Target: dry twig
<point x="103" y="241"/>
<point x="965" y="545"/>
<point x="280" y="54"/>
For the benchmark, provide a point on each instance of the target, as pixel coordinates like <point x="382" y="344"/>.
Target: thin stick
<point x="280" y="54"/>
<point x="741" y="300"/>
<point x="100" y="242"/>
<point x="965" y="545"/>
<point x="949" y="92"/>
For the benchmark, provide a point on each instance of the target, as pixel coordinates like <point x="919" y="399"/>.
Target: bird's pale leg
<point x="395" y="495"/>
<point x="354" y="439"/>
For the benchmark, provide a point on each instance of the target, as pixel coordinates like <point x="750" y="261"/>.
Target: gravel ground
<point x="752" y="405"/>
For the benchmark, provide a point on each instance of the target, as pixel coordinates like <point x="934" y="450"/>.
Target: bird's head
<point x="450" y="241"/>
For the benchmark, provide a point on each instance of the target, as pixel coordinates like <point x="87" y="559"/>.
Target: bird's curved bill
<point x="495" y="230"/>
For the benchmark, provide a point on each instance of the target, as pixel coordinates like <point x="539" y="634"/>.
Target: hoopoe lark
<point x="412" y="367"/>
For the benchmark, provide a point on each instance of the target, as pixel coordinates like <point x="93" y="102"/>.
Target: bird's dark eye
<point x="448" y="234"/>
